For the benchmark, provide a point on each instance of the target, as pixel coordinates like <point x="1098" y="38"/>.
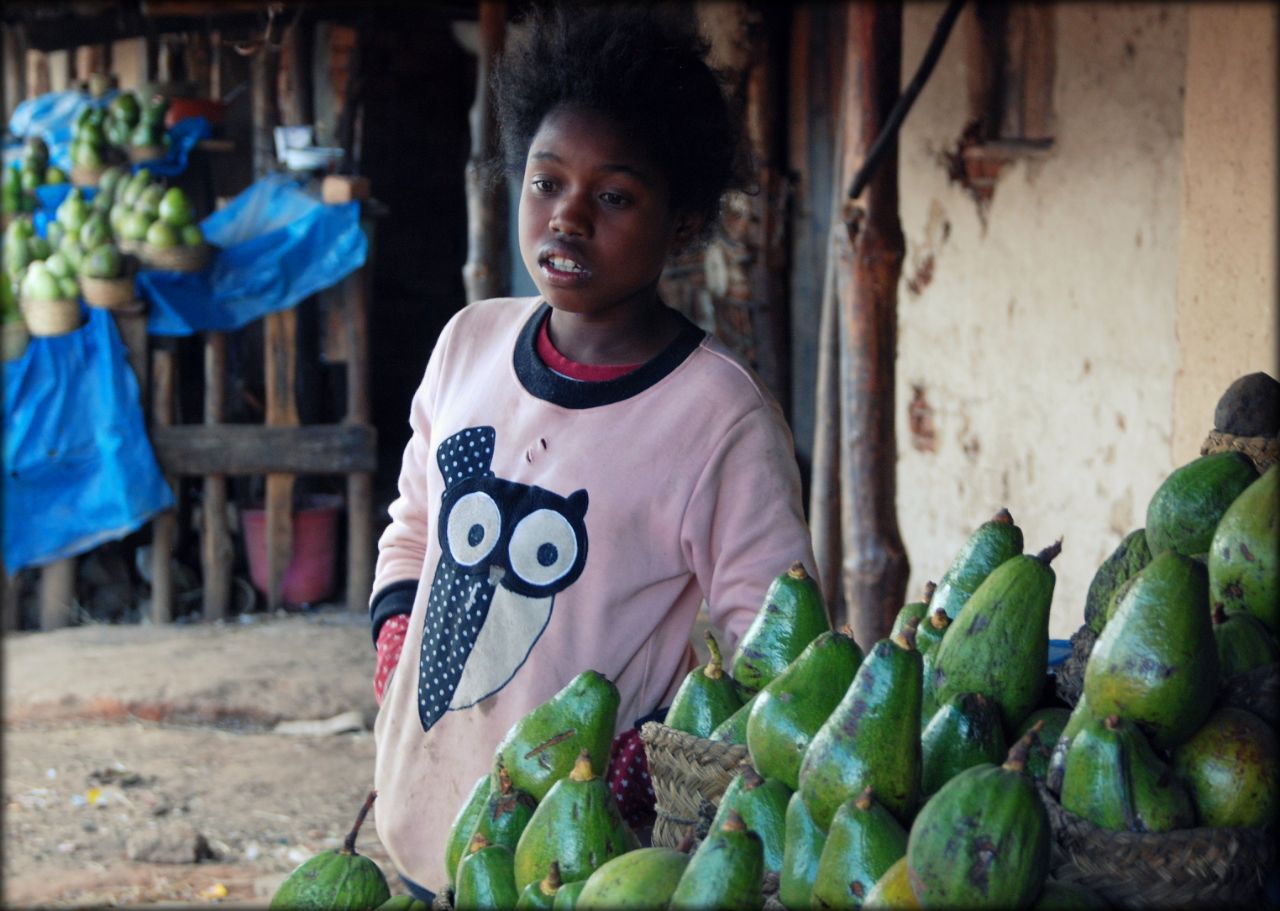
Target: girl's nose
<point x="570" y="218"/>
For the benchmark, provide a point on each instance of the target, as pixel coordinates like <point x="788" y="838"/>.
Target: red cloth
<point x="628" y="775"/>
<point x="591" y="373"/>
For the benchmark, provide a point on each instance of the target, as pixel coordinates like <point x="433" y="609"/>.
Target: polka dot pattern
<point x="465" y="454"/>
<point x="628" y="779"/>
<point x="390" y="642"/>
<point x="457" y="608"/>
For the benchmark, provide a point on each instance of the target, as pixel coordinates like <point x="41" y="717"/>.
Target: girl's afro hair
<point x="642" y="68"/>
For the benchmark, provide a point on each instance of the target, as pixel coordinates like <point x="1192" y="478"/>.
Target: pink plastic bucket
<point x="309" y="575"/>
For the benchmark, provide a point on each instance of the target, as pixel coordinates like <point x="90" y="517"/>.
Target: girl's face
<point x="595" y="219"/>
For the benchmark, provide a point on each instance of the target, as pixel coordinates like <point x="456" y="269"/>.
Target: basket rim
<point x="725" y="756"/>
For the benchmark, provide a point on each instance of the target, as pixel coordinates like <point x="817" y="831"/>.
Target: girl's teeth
<point x="560" y="264"/>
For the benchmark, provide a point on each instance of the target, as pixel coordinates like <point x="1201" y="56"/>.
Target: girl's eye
<point x="613" y="199"/>
<point x="542" y="184"/>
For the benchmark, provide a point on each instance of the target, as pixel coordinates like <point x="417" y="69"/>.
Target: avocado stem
<point x="582" y="770"/>
<point x="863" y="801"/>
<point x="715" y="665"/>
<point x="929" y="588"/>
<point x="477" y="842"/>
<point x="1047" y="555"/>
<point x="349" y="843"/>
<point x="733" y="823"/>
<point x="939" y="619"/>
<point x="551" y="883"/>
<point x="1018" y="753"/>
<point x="1003" y="517"/>
<point x="797" y="571"/>
<point x="906" y="637"/>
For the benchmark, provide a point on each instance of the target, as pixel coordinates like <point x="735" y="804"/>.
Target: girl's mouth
<point x="563" y="270"/>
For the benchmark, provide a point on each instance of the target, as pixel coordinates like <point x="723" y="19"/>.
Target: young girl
<point x="586" y="466"/>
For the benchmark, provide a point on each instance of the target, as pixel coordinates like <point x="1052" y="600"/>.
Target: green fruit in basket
<point x="338" y="879"/>
<point x="72" y="252"/>
<point x="1243" y="642"/>
<point x="12" y="182"/>
<point x="58" y="266"/>
<point x="134" y="226"/>
<point x="111" y="180"/>
<point x="30" y="179"/>
<point x="464" y="824"/>
<point x="793" y="705"/>
<point x="726" y="870"/>
<point x="39" y="248"/>
<point x="17" y="255"/>
<point x="1230" y="766"/>
<point x="68" y="288"/>
<point x="983" y="840"/>
<point x="578" y="824"/>
<point x="175" y="208"/>
<point x="964" y="731"/>
<point x="162" y="235"/>
<point x="762" y="804"/>
<point x="864" y="842"/>
<point x="893" y="890"/>
<point x="192" y="236"/>
<point x="73" y="211"/>
<point x="1123" y="564"/>
<point x="1243" y="562"/>
<point x="22" y="228"/>
<point x="541" y="895"/>
<point x="54" y="176"/>
<point x="149" y="200"/>
<point x="9" y="299"/>
<point x="916" y="610"/>
<point x="802" y="845"/>
<point x="1053" y="720"/>
<point x="506" y="813"/>
<point x="116" y="216"/>
<point x="706" y="697"/>
<point x="131" y="187"/>
<point x="103" y="261"/>
<point x="39" y="284"/>
<point x="1156" y="662"/>
<point x="95" y="231"/>
<point x="990" y="544"/>
<point x="89" y="156"/>
<point x="640" y="880"/>
<point x="793" y="615"/>
<point x="734" y="728"/>
<point x="1186" y="507"/>
<point x="125" y="107"/>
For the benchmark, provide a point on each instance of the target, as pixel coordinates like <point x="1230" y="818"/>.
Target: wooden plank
<point x="215" y="541"/>
<point x="164" y="528"/>
<point x="486" y="272"/>
<point x="256" y="449"/>
<point x="869" y="251"/>
<point x="281" y="344"/>
<point x="57" y="593"/>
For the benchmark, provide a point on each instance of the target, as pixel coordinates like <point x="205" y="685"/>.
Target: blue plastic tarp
<point x="278" y="245"/>
<point x="79" y="467"/>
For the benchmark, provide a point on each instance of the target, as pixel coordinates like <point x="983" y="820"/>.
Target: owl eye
<point x="543" y="547"/>
<point x="474" y="524"/>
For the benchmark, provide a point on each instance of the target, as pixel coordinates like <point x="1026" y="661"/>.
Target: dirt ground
<point x="159" y="766"/>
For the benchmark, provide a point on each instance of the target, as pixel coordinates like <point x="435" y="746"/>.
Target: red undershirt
<point x="591" y="373"/>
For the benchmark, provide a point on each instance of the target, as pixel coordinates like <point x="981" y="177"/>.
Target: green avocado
<point x="1230" y="767"/>
<point x="1186" y="507"/>
<point x="802" y="848"/>
<point x="865" y="840"/>
<point x="541" y="896"/>
<point x="983" y="840"/>
<point x="1156" y="663"/>
<point x="1053" y="720"/>
<point x="792" y="616"/>
<point x="928" y="635"/>
<point x="1244" y="644"/>
<point x="734" y="728"/>
<point x="485" y="878"/>
<point x="1124" y="562"/>
<point x="990" y="544"/>
<point x="1079" y="717"/>
<point x="726" y="871"/>
<point x="913" y="610"/>
<point x="871" y="739"/>
<point x="1116" y="781"/>
<point x="577" y="824"/>
<point x="506" y="813"/>
<point x="965" y="731"/>
<point x="892" y="891"/>
<point x="999" y="644"/>
<point x="762" y="804"/>
<point x="1244" y="565"/>
<point x="464" y="824"/>
<point x="639" y="880"/>
<point x="793" y="705"/>
<point x="342" y="879"/>
<point x="706" y="697"/>
<point x="543" y="746"/>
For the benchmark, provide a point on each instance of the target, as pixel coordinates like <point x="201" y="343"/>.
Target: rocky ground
<point x="183" y="764"/>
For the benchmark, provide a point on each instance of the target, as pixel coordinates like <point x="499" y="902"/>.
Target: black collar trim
<point x="544" y="383"/>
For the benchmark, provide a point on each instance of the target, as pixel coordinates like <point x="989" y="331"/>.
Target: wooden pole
<point x="164" y="528"/>
<point x="296" y="94"/>
<point x="281" y="330"/>
<point x="215" y="543"/>
<point x="265" y="109"/>
<point x="869" y="252"/>
<point x="360" y="543"/>
<point x="487" y="270"/>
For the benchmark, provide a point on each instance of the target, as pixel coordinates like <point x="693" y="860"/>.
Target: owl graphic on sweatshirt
<point x="507" y="549"/>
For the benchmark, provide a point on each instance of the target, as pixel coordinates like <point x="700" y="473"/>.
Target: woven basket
<point x="108" y="293"/>
<point x="689" y="775"/>
<point x="56" y="317"/>
<point x="15" y="336"/>
<point x="1183" y="868"/>
<point x="1257" y="691"/>
<point x="174" y="259"/>
<point x="140" y="154"/>
<point x="1069" y="675"/>
<point x="1262" y="451"/>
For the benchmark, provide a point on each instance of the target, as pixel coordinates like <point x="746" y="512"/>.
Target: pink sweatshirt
<point x="546" y="526"/>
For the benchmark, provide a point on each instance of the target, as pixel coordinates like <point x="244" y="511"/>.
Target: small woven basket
<point x="689" y="775"/>
<point x="1256" y="691"/>
<point x="108" y="293"/>
<point x="1262" y="451"/>
<point x="174" y="259"/>
<point x="1182" y="868"/>
<point x="15" y="336"/>
<point x="140" y="154"/>
<point x="86" y="177"/>
<point x="55" y="317"/>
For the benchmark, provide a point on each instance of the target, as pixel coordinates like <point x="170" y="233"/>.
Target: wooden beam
<point x="869" y="251"/>
<point x="487" y="270"/>
<point x="257" y="449"/>
<point x="164" y="527"/>
<point x="281" y="335"/>
<point x="265" y="110"/>
<point x="57" y="593"/>
<point x="215" y="541"/>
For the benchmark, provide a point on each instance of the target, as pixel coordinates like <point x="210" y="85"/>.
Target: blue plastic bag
<point x="79" y="467"/>
<point x="279" y="245"/>
<point x="52" y="116"/>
